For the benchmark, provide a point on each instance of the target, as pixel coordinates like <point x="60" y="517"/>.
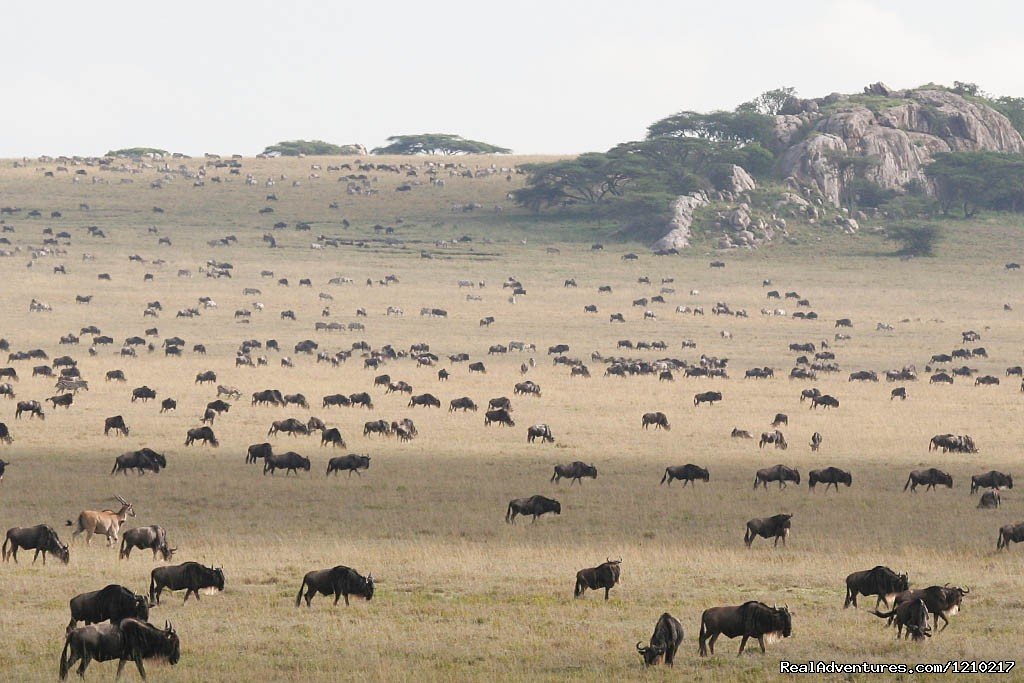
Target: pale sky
<point x="554" y="76"/>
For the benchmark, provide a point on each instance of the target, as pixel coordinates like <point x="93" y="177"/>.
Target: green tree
<point x="588" y="179"/>
<point x="293" y="148"/>
<point x="739" y="127"/>
<point x="437" y="143"/>
<point x="770" y="102"/>
<point x="135" y="152"/>
<point x="914" y="240"/>
<point x="974" y="180"/>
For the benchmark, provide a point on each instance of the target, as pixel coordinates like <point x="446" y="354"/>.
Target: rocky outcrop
<point x="740" y="180"/>
<point x="683" y="209"/>
<point x="885" y="136"/>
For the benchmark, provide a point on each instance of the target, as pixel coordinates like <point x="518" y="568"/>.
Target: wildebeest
<point x="825" y="400"/>
<point x="990" y="500"/>
<point x="129" y="639"/>
<point x="659" y="420"/>
<point x="776" y="526"/>
<point x="290" y="462"/>
<point x="350" y="462"/>
<point x="106" y="522"/>
<point x="864" y="376"/>
<point x="208" y="376"/>
<point x="140" y="460"/>
<point x="685" y="473"/>
<point x="33" y="408"/>
<point x="271" y="396"/>
<point x="478" y="366"/>
<point x="707" y="397"/>
<point x="668" y="634"/>
<point x="41" y="538"/>
<point x="342" y="581"/>
<point x="899" y="392"/>
<point x="190" y="576"/>
<point x="116" y="424"/>
<point x="816" y="440"/>
<point x="500" y="416"/>
<point x="779" y="473"/>
<point x="464" y="403"/>
<point x="738" y="433"/>
<point x="910" y="614"/>
<point x="382" y="427"/>
<point x="336" y="400"/>
<point x="290" y="426"/>
<point x="111" y="602"/>
<point x="605" y="576"/>
<point x="427" y="400"/>
<point x="942" y="601"/>
<point x="258" y="450"/>
<point x="361" y="399"/>
<point x="534" y="506"/>
<point x="539" y="431"/>
<point x="952" y="443"/>
<point x="153" y="537"/>
<point x="143" y="394"/>
<point x="115" y="376"/>
<point x="219" y="406"/>
<point x="527" y="388"/>
<point x="750" y="620"/>
<point x="332" y="436"/>
<point x="930" y="478"/>
<point x="776" y="437"/>
<point x="992" y="479"/>
<point x="829" y="476"/>
<point x="1011" y="533"/>
<point x="575" y="471"/>
<point x="64" y="400"/>
<point x="204" y="434"/>
<point x="502" y="402"/>
<point x="879" y="581"/>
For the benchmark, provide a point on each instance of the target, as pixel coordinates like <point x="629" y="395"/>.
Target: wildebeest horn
<point x="965" y="590"/>
<point x="638" y="648"/>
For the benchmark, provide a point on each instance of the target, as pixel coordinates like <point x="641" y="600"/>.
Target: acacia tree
<point x="437" y="143"/>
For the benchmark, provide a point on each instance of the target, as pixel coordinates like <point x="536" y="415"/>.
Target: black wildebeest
<point x="219" y="406"/>
<point x="779" y="473"/>
<point x="605" y="576"/>
<point x="190" y="576"/>
<point x="33" y="408"/>
<point x="990" y="500"/>
<point x="575" y="471"/>
<point x="499" y="416"/>
<point x="153" y="537"/>
<point x="290" y="462"/>
<point x="341" y="581"/>
<point x="776" y="526"/>
<point x="824" y="400"/>
<point x="426" y="400"/>
<point x="336" y="400"/>
<point x="539" y="431"/>
<point x="478" y="366"/>
<point x="41" y="538"/>
<point x="258" y="450"/>
<point x="1011" y="533"/>
<point x="878" y="581"/>
<point x="864" y="376"/>
<point x="130" y="639"/>
<point x="912" y="615"/>
<point x="464" y="403"/>
<point x="499" y="403"/>
<point x="829" y="476"/>
<point x="534" y="506"/>
<point x="930" y="478"/>
<point x="668" y="634"/>
<point x="942" y="601"/>
<point x="685" y="473"/>
<point x="361" y="399"/>
<point x="204" y="434"/>
<point x="140" y="460"/>
<point x="898" y="392"/>
<point x="350" y="462"/>
<point x="332" y="436"/>
<point x="780" y="419"/>
<point x="659" y="420"/>
<point x="992" y="479"/>
<point x="111" y="602"/>
<point x="271" y="396"/>
<point x="143" y="394"/>
<point x="290" y="426"/>
<point x="3" y="465"/>
<point x="116" y="424"/>
<point x="208" y="376"/>
<point x="775" y="438"/>
<point x="750" y="620"/>
<point x="382" y="427"/>
<point x="816" y="440"/>
<point x="707" y="397"/>
<point x="64" y="400"/>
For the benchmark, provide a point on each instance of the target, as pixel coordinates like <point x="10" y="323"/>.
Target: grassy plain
<point x="462" y="595"/>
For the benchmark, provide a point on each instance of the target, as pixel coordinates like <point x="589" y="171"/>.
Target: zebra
<point x="72" y="385"/>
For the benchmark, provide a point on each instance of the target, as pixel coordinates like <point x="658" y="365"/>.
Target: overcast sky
<point x="554" y="76"/>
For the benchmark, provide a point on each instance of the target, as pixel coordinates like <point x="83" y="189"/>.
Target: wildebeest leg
<point x="711" y="643"/>
<point x="85" y="663"/>
<point x="138" y="663"/>
<point x="189" y="590"/>
<point x="345" y="595"/>
<point x="945" y="622"/>
<point x="743" y="644"/>
<point x="36" y="557"/>
<point x="14" y="552"/>
<point x="606" y="592"/>
<point x="760" y="641"/>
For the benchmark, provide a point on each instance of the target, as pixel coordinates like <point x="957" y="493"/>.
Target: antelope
<point x="106" y="522"/>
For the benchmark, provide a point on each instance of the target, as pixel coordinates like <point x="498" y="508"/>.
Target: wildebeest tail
<point x="748" y="536"/>
<point x="554" y="476"/>
<point x="702" y="637"/>
<point x="664" y="477"/>
<point x="124" y="544"/>
<point x="508" y="513"/>
<point x="64" y="657"/>
<point x="152" y="587"/>
<point x="8" y="540"/>
<point x="907" y="485"/>
<point x="1001" y="542"/>
<point x="298" y="598"/>
<point x="886" y="615"/>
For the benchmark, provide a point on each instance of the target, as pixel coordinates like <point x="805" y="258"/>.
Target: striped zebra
<point x="72" y="385"/>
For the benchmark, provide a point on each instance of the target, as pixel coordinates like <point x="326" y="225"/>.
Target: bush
<point x="914" y="240"/>
<point x="293" y="148"/>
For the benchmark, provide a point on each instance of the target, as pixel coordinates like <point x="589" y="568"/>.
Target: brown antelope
<point x="106" y="522"/>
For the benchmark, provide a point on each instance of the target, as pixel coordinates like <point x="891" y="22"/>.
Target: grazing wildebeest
<point x="940" y="378"/>
<point x="990" y="500"/>
<point x="912" y="614"/>
<point x="829" y="476"/>
<point x="539" y="431"/>
<point x="427" y="400"/>
<point x="443" y="375"/>
<point x="605" y="576"/>
<point x="500" y="416"/>
<point x="129" y="639"/>
<point x="106" y="522"/>
<point x="111" y="602"/>
<point x="864" y="376"/>
<point x="208" y="376"/>
<point x="1011" y="533"/>
<point x="942" y="601"/>
<point x="361" y="399"/>
<point x="336" y="400"/>
<point x="290" y="462"/>
<point x="116" y="424"/>
<point x="844" y="322"/>
<point x="776" y="527"/>
<point x="258" y="450"/>
<point x="140" y="460"/>
<point x="332" y="436"/>
<point x="992" y="479"/>
<point x="825" y="400"/>
<point x="899" y="392"/>
<point x="775" y="438"/>
<point x="816" y="440"/>
<point x="190" y="576"/>
<point x="478" y="366"/>
<point x="33" y="408"/>
<point x="290" y="426"/>
<point x="668" y="634"/>
<point x="64" y="400"/>
<point x="351" y="463"/>
<point x="809" y="393"/>
<point x="271" y="396"/>
<point x="115" y="376"/>
<point x="41" y="538"/>
<point x="952" y="442"/>
<point x="534" y="505"/>
<point x="738" y="433"/>
<point x="204" y="434"/>
<point x="779" y="473"/>
<point x="707" y="397"/>
<point x="465" y="403"/>
<point x="750" y="620"/>
<point x="219" y="406"/>
<point x="659" y="420"/>
<point x="879" y="581"/>
<point x="780" y="419"/>
<point x="142" y="393"/>
<point x="575" y="471"/>
<point x="153" y="537"/>
<point x="501" y="403"/>
<point x="685" y="473"/>
<point x="382" y="427"/>
<point x="527" y="388"/>
<point x="340" y="581"/>
<point x="930" y="477"/>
